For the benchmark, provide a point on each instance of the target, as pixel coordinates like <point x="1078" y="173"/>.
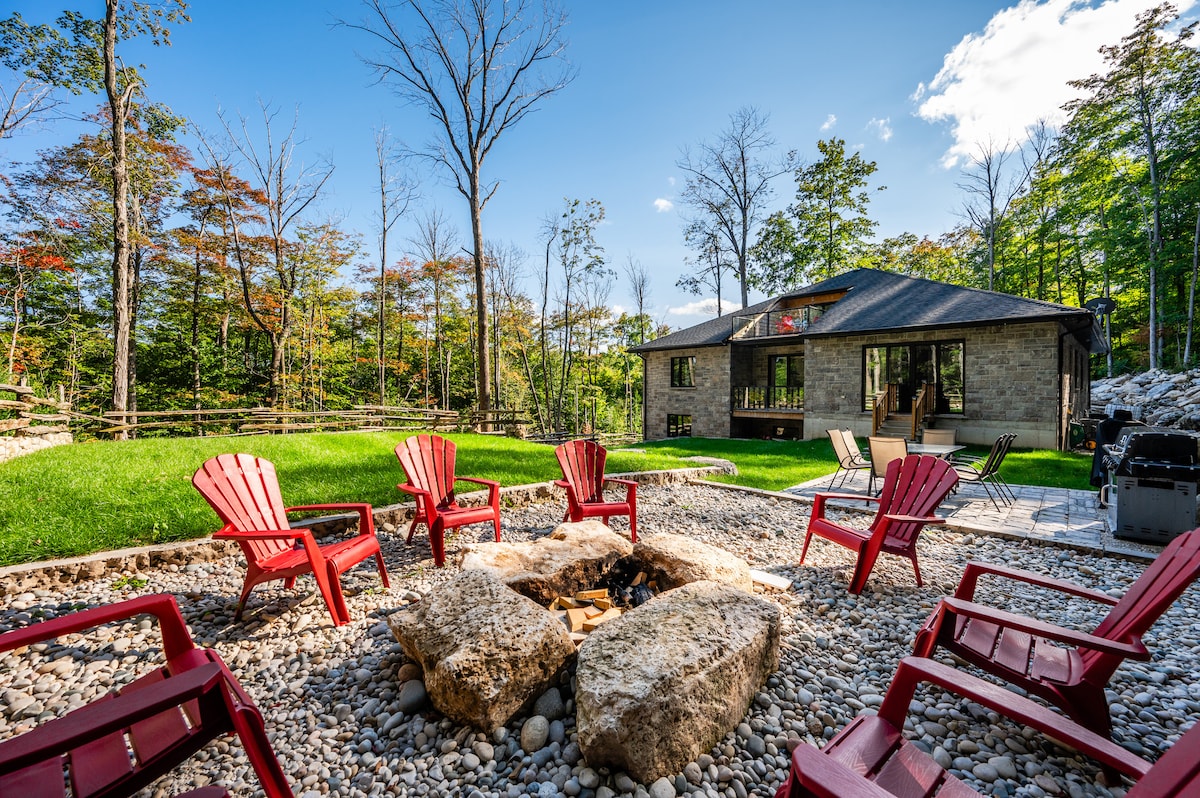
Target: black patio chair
<point x="985" y="472"/>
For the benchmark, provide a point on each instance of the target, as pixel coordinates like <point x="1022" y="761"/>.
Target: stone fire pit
<point x="655" y="688"/>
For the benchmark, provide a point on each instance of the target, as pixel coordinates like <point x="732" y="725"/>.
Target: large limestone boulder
<point x="665" y="682"/>
<point x="485" y="650"/>
<point x="676" y="560"/>
<point x="573" y="557"/>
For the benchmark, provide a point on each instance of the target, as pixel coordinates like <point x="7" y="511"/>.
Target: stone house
<point x="870" y="349"/>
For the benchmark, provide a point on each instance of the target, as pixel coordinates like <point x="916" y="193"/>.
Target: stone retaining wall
<point x="11" y="447"/>
<point x="16" y="579"/>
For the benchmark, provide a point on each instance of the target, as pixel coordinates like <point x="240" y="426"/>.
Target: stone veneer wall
<point x="707" y="403"/>
<point x="1012" y="382"/>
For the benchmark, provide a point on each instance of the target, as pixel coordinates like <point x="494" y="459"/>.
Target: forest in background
<point x="235" y="294"/>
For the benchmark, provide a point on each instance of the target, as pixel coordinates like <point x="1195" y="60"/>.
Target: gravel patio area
<point x="344" y="722"/>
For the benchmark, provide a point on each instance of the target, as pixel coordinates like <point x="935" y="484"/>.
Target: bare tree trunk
<point x="484" y="357"/>
<point x="118" y="103"/>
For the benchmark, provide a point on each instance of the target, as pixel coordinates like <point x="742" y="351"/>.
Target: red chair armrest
<point x="819" y="499"/>
<point x="421" y="494"/>
<point x="1024" y="623"/>
<point x="850" y="496"/>
<point x="255" y="534"/>
<point x="491" y="483"/>
<point x="562" y="483"/>
<point x="176" y="638"/>
<point x="366" y="519"/>
<point x="974" y="570"/>
<point x="915" y="519"/>
<point x="914" y="670"/>
<point x="825" y="777"/>
<point x="630" y="486"/>
<point x="100" y="718"/>
<point x="617" y="481"/>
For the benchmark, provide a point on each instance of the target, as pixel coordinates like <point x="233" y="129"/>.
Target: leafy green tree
<point x="1145" y="107"/>
<point x="826" y="230"/>
<point x="777" y="257"/>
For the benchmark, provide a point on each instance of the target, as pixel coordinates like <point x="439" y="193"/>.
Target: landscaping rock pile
<point x="1160" y="398"/>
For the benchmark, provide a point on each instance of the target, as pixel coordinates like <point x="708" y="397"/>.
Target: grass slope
<point x="90" y="497"/>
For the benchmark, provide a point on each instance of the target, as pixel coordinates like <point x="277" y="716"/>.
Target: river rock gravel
<point x="347" y="715"/>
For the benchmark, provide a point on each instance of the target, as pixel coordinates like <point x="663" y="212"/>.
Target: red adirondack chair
<point x="913" y="487"/>
<point x="1064" y="666"/>
<point x="582" y="464"/>
<point x="870" y="758"/>
<point x="165" y="715"/>
<point x="428" y="462"/>
<point x="244" y="492"/>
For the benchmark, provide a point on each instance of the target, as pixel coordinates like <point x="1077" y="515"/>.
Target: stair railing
<point x="922" y="407"/>
<point x="885" y="402"/>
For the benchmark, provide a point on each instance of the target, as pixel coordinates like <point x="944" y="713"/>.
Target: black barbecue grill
<point x="1153" y="475"/>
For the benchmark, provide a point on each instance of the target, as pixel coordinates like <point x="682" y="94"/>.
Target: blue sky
<point x="915" y="86"/>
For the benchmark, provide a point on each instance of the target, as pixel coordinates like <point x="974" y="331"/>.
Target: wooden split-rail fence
<point x="28" y="415"/>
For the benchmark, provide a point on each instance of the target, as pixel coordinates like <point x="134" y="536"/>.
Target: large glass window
<point x="909" y="366"/>
<point x="679" y="426"/>
<point x="683" y="372"/>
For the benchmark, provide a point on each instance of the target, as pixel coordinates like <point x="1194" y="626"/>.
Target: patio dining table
<point x="936" y="449"/>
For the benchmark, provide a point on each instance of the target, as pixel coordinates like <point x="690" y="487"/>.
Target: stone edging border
<point x="16" y="579"/>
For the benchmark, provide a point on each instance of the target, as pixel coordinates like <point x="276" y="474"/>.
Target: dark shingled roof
<point x="878" y="301"/>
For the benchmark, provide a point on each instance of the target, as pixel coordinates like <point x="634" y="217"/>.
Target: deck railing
<point x="774" y="323"/>
<point x="767" y="397"/>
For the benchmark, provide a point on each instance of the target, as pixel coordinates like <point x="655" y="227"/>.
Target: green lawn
<point x="89" y="497"/>
<point x="775" y="465"/>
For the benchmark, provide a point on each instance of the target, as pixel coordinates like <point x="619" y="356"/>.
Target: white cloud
<point x="663" y="205"/>
<point x="993" y="86"/>
<point x="671" y="181"/>
<point x="882" y="128"/>
<point x="830" y="121"/>
<point x="703" y="307"/>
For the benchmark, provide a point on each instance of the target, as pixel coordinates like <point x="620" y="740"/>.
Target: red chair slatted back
<point x="428" y="462"/>
<point x="244" y="492"/>
<point x="1173" y="570"/>
<point x="914" y="486"/>
<point x="582" y="464"/>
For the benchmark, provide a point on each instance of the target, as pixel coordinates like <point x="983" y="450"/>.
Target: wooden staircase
<point x="888" y="422"/>
<point x="898" y="425"/>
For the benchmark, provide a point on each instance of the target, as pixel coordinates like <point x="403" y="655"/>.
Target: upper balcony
<point x="774" y="323"/>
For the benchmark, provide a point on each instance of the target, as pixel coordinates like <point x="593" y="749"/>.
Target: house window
<point x="908" y="367"/>
<point x="786" y="373"/>
<point x="683" y="372"/>
<point x="679" y="426"/>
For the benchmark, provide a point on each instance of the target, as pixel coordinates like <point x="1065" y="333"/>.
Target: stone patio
<point x="1052" y="515"/>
